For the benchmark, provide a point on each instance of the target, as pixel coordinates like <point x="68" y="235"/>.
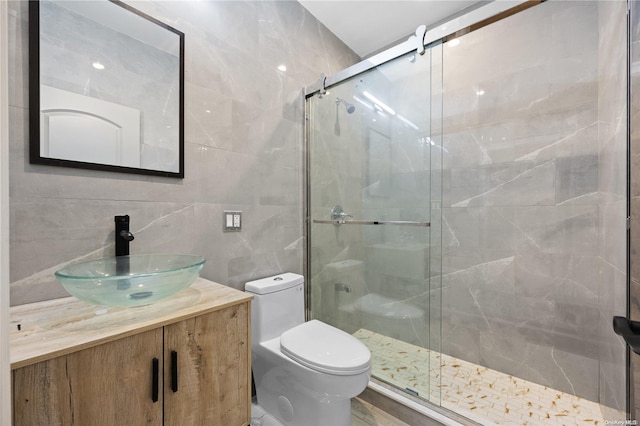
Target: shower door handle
<point x="629" y="330"/>
<point x="372" y="222"/>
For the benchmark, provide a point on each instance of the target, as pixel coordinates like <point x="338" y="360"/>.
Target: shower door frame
<point x="380" y="384"/>
<point x="440" y="32"/>
<point x="465" y="21"/>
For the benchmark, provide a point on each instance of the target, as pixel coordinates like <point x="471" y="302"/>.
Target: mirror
<point x="106" y="88"/>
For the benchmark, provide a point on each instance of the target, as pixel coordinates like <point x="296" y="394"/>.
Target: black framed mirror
<point x="106" y="88"/>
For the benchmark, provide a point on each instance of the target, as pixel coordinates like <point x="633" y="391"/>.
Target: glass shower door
<point x="374" y="165"/>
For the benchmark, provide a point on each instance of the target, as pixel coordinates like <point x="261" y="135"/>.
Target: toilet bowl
<point x="305" y="372"/>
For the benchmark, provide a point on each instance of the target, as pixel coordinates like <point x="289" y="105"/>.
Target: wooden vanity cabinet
<point x="213" y="369"/>
<point x="109" y="384"/>
<point x="203" y="377"/>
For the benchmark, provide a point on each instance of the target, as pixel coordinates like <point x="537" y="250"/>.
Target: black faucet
<point x="123" y="236"/>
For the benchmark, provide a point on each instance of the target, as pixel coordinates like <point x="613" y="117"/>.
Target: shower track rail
<point x="372" y="222"/>
<point x="470" y="20"/>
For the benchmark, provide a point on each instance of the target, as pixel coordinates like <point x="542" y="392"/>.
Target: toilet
<point x="305" y="373"/>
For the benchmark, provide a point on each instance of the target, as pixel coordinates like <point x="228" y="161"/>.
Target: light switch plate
<point x="231" y="221"/>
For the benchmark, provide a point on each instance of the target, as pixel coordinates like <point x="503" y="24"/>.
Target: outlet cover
<point x="232" y="221"/>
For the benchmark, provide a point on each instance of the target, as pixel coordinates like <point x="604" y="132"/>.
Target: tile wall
<point x="246" y="154"/>
<point x="534" y="197"/>
<point x="612" y="190"/>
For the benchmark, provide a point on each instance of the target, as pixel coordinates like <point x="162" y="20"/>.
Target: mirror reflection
<point x="109" y="83"/>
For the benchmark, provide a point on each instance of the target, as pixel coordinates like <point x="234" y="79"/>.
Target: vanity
<point x="185" y="360"/>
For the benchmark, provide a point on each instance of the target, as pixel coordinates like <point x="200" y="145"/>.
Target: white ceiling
<point x="367" y="26"/>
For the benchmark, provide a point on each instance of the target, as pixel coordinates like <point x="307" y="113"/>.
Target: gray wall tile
<point x="245" y="154"/>
<point x="533" y="212"/>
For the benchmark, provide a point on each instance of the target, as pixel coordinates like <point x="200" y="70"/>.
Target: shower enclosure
<point x="374" y="200"/>
<point x="466" y="209"/>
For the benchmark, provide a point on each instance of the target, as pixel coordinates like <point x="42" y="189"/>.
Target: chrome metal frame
<point x="629" y="373"/>
<point x="417" y="42"/>
<point x="371" y="222"/>
<point x="306" y="229"/>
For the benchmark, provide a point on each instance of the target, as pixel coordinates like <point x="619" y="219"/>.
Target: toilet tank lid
<point x="273" y="284"/>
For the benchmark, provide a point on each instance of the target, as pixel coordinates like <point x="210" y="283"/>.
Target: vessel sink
<point x="130" y="280"/>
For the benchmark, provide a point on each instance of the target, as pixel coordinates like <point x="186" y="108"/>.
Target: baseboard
<point x="407" y="410"/>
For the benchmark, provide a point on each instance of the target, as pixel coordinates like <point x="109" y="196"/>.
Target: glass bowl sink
<point x="130" y="280"/>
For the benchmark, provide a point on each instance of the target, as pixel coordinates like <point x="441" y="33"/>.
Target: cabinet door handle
<point x="154" y="380"/>
<point x="174" y="371"/>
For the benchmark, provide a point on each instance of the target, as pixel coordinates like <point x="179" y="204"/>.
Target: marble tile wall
<point x="612" y="188"/>
<point x="246" y="154"/>
<point x="534" y="197"/>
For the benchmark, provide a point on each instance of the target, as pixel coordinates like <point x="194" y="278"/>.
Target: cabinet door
<point x="213" y="369"/>
<point x="110" y="384"/>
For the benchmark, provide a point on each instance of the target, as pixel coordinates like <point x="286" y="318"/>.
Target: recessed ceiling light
<point x="480" y="92"/>
<point x="377" y="102"/>
<point x="97" y="65"/>
<point x="454" y="42"/>
<point x="407" y="122"/>
<point x="282" y="68"/>
<point x="362" y="102"/>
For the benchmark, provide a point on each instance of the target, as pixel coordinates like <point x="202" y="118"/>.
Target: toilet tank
<point x="277" y="306"/>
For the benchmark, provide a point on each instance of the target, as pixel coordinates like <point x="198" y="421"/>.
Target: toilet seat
<point x="324" y="348"/>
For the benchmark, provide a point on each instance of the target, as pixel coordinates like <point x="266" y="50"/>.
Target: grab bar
<point x="372" y="222"/>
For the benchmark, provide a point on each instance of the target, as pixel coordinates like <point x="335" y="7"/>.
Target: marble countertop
<point x="46" y="330"/>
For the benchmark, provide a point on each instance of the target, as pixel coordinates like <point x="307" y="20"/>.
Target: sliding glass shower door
<point x="374" y="190"/>
<point x="492" y="297"/>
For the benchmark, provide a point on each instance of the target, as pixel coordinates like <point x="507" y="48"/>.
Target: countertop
<point x="49" y="329"/>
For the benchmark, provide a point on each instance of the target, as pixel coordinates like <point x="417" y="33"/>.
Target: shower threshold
<point x="478" y="393"/>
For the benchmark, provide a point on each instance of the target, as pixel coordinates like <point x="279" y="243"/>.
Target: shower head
<point x="349" y="107"/>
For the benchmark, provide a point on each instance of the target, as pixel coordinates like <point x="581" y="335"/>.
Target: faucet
<point x="123" y="236"/>
<point x="338" y="213"/>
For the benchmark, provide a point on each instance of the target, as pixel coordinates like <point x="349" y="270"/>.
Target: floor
<point x="481" y="394"/>
<point x="362" y="414"/>
<point x="365" y="414"/>
<point x="478" y="393"/>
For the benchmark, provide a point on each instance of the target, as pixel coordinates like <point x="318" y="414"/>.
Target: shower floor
<point x="478" y="393"/>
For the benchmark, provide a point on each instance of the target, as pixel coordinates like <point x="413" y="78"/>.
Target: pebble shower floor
<point x="478" y="393"/>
